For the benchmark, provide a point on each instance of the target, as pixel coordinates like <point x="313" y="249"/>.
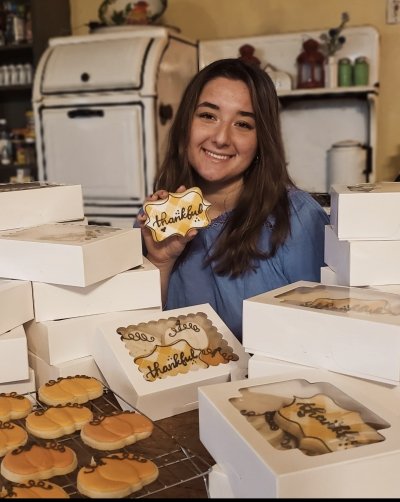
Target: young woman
<point x="265" y="232"/>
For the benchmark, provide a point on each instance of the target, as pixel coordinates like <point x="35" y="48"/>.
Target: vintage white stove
<point x="103" y="104"/>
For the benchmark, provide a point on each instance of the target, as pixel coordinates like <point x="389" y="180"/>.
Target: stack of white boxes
<point x="307" y="338"/>
<point x="77" y="276"/>
<point x="362" y="244"/>
<point x="16" y="308"/>
<point x="85" y="282"/>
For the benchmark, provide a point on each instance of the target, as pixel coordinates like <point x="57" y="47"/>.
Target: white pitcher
<point x="347" y="163"/>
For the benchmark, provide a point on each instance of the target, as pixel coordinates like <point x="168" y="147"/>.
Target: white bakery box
<point x="156" y="361"/>
<point x="262" y="366"/>
<point x="16" y="304"/>
<point x="328" y="276"/>
<point x="20" y="386"/>
<point x="69" y="254"/>
<point x="138" y="288"/>
<point x="45" y="372"/>
<point x="361" y="262"/>
<point x="36" y="203"/>
<point x="13" y="355"/>
<point x="63" y="340"/>
<point x="239" y="427"/>
<point x="355" y="331"/>
<point x="219" y="486"/>
<point x="367" y="211"/>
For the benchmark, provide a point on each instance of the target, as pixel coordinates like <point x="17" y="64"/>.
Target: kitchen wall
<point x="213" y="19"/>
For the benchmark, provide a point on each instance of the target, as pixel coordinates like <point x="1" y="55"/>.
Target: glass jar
<point x="361" y="71"/>
<point x="345" y="73"/>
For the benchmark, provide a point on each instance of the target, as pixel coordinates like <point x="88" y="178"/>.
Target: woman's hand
<point x="167" y="251"/>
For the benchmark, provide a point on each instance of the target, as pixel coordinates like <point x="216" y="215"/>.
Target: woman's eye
<point x="245" y="125"/>
<point x="206" y="115"/>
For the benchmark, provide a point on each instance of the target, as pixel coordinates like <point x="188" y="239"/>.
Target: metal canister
<point x="345" y="78"/>
<point x="361" y="71"/>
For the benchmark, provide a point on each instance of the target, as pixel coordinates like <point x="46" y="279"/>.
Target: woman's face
<point x="223" y="138"/>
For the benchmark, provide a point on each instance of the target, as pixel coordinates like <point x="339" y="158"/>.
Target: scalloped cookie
<point x="322" y="426"/>
<point x="177" y="214"/>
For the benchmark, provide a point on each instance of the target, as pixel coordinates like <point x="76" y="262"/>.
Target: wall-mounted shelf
<point x="327" y="93"/>
<point x="314" y="119"/>
<point x="50" y="18"/>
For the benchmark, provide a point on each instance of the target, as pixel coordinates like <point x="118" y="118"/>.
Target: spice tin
<point x="345" y="73"/>
<point x="361" y="71"/>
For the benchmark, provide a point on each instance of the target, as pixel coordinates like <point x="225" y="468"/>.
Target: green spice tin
<point x="361" y="71"/>
<point x="345" y="73"/>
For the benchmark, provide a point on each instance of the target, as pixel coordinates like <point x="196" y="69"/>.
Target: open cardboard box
<point x="238" y="426"/>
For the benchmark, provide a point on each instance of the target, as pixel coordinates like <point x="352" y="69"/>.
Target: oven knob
<point x="165" y="113"/>
<point x="85" y="77"/>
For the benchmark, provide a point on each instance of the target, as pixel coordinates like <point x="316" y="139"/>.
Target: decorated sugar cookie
<point x="169" y="347"/>
<point x="177" y="214"/>
<point x="322" y="426"/>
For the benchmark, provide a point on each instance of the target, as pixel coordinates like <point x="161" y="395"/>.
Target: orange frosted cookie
<point x="58" y="421"/>
<point x="11" y="436"/>
<point x="177" y="214"/>
<point x="322" y="426"/>
<point x="120" y="429"/>
<point x="38" y="462"/>
<point x="13" y="406"/>
<point x="72" y="389"/>
<point x="33" y="490"/>
<point x="115" y="476"/>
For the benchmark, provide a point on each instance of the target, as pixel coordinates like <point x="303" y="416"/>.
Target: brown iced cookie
<point x="116" y="475"/>
<point x="58" y="421"/>
<point x="177" y="214"/>
<point x="11" y="436"/>
<point x="72" y="389"/>
<point x="169" y="347"/>
<point x="13" y="406"/>
<point x="33" y="490"/>
<point x="111" y="432"/>
<point x="38" y="462"/>
<point x="322" y="426"/>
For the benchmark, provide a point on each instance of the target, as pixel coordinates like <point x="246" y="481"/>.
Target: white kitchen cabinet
<point x="314" y="119"/>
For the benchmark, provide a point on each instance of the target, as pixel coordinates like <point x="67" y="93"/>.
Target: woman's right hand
<point x="166" y="252"/>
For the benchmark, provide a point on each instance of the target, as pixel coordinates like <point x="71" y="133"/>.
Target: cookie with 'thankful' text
<point x="177" y="214"/>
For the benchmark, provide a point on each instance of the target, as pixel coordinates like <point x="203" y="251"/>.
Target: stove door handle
<point x="85" y="113"/>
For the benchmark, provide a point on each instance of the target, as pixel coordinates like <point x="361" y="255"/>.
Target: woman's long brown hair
<point x="263" y="199"/>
